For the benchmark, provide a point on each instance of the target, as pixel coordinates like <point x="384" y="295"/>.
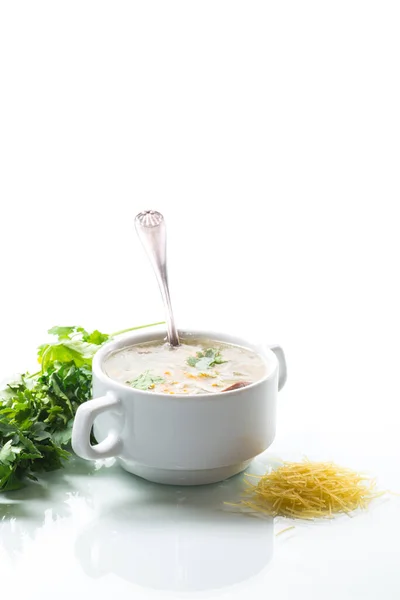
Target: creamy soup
<point x="196" y="366"/>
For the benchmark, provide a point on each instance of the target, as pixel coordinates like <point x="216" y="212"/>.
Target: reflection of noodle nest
<point x="309" y="490"/>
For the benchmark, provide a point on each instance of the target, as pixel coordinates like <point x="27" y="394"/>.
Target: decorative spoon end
<point x="149" y="218"/>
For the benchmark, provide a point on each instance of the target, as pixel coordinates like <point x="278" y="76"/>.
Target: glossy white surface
<point x="268" y="135"/>
<point x="96" y="532"/>
<point x="180" y="439"/>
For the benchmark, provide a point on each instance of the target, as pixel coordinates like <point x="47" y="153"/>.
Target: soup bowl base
<point x="181" y="476"/>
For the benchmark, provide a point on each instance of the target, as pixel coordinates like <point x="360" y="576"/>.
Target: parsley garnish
<point x="145" y="381"/>
<point x="37" y="411"/>
<point x="205" y="360"/>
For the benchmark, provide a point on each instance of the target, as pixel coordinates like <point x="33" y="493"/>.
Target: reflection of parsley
<point x="145" y="381"/>
<point x="205" y="360"/>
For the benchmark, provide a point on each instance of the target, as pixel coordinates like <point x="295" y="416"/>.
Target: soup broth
<point x="196" y="366"/>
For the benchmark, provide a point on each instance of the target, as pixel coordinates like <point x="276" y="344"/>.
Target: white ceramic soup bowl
<point x="180" y="439"/>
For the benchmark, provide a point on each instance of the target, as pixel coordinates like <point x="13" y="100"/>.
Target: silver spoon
<point x="150" y="227"/>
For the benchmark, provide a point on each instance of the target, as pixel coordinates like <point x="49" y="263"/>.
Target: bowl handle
<point x="280" y="355"/>
<point x="83" y="423"/>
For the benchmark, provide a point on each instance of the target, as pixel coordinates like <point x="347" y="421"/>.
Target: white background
<point x="268" y="135"/>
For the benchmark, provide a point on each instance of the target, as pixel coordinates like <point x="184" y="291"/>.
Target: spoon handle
<point x="150" y="227"/>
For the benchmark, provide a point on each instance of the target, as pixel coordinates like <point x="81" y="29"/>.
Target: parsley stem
<point x="134" y="328"/>
<point x="33" y="375"/>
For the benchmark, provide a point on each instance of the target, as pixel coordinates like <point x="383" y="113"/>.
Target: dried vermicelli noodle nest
<point x="309" y="490"/>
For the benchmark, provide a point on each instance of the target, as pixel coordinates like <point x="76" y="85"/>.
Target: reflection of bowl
<point x="182" y="542"/>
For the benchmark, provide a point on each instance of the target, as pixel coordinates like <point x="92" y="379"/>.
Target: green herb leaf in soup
<point x="196" y="366"/>
<point x="205" y="360"/>
<point x="145" y="381"/>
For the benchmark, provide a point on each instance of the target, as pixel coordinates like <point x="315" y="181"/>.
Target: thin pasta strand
<point x="309" y="490"/>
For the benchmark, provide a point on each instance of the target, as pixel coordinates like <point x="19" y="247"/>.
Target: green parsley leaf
<point x="63" y="333"/>
<point x="204" y="360"/>
<point x="62" y="352"/>
<point x="145" y="381"/>
<point x="7" y="453"/>
<point x="73" y="344"/>
<point x="96" y="337"/>
<point x="8" y="479"/>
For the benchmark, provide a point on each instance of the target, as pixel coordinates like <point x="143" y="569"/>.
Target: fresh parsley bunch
<point x="37" y="411"/>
